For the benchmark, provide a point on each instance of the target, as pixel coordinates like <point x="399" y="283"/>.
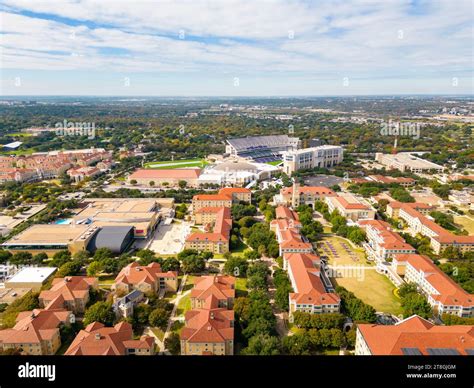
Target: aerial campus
<point x="277" y="245"/>
<point x="236" y="178"/>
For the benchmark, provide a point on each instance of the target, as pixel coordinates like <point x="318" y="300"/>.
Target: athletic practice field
<point x="177" y="164"/>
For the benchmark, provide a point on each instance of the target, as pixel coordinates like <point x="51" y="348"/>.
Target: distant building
<point x="308" y="158"/>
<point x="402" y="181"/>
<point x="297" y="195"/>
<point x="211" y="200"/>
<point x="238" y="194"/>
<point x="147" y="279"/>
<point x="407" y="162"/>
<point x="166" y="177"/>
<point x="225" y="198"/>
<point x="461" y="198"/>
<point x="51" y="238"/>
<point x="217" y="240"/>
<point x="70" y="293"/>
<point x="287" y="230"/>
<point x="209" y="325"/>
<point x="237" y="173"/>
<point x="31" y="277"/>
<point x="383" y="243"/>
<point x="393" y="208"/>
<point x="125" y="305"/>
<point x="36" y="333"/>
<point x="80" y="173"/>
<point x="414" y="336"/>
<point x="440" y="238"/>
<point x="350" y="206"/>
<point x="220" y="287"/>
<point x="309" y="293"/>
<point x="98" y="340"/>
<point x="443" y="294"/>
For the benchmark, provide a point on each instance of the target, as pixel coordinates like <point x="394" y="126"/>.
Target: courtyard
<point x="351" y="270"/>
<point x="167" y="239"/>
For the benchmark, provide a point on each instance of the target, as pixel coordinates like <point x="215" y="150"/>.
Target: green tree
<point x="173" y="344"/>
<point x="94" y="268"/>
<point x="263" y="345"/>
<point x="70" y="268"/>
<point x="4" y="256"/>
<point x="39" y="258"/>
<point x="416" y="304"/>
<point x="21" y="258"/>
<point x="141" y="314"/>
<point x="103" y="253"/>
<point x="170" y="264"/>
<point x="60" y="258"/>
<point x="100" y="312"/>
<point x="236" y="266"/>
<point x="159" y="318"/>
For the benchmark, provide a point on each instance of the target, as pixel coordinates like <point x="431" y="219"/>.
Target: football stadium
<point x="261" y="149"/>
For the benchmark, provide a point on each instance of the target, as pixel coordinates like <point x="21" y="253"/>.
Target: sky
<point x="235" y="47"/>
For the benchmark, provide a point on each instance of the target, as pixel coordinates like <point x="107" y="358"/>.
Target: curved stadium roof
<point x="116" y="238"/>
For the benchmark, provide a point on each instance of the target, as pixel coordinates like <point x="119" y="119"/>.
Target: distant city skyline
<point x="236" y="48"/>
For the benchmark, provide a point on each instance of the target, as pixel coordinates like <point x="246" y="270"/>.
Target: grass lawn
<point x="19" y="152"/>
<point x="241" y="287"/>
<point x="189" y="283"/>
<point x="106" y="281"/>
<point x="177" y="164"/>
<point x="465" y="222"/>
<point x="373" y="288"/>
<point x="330" y="352"/>
<point x="184" y="305"/>
<point x="275" y="163"/>
<point x="327" y="229"/>
<point x="239" y="250"/>
<point x="158" y="332"/>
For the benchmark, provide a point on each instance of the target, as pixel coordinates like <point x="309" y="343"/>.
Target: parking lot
<point x="168" y="239"/>
<point x="323" y="180"/>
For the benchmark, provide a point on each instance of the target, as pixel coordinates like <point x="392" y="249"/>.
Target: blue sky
<point x="236" y="48"/>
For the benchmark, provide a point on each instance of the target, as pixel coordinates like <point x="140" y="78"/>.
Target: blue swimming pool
<point x="63" y="222"/>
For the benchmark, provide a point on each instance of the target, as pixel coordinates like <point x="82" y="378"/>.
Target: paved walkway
<point x="281" y="316"/>
<point x="175" y="301"/>
<point x="179" y="295"/>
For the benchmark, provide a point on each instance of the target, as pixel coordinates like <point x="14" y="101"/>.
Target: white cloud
<point x="357" y="39"/>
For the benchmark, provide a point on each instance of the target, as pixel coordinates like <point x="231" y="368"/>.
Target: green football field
<point x="177" y="164"/>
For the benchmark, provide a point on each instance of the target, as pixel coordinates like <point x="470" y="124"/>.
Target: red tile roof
<point x="318" y="190"/>
<point x="221" y="230"/>
<point x="231" y="190"/>
<point x="211" y="197"/>
<point x="176" y="173"/>
<point x="307" y="284"/>
<point x="35" y="326"/>
<point x="135" y="274"/>
<point x="69" y="288"/>
<point x="220" y="287"/>
<point x="416" y="332"/>
<point x="450" y="293"/>
<point x="208" y="326"/>
<point x="98" y="340"/>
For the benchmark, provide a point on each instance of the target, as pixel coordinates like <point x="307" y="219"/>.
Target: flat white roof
<point x="32" y="275"/>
